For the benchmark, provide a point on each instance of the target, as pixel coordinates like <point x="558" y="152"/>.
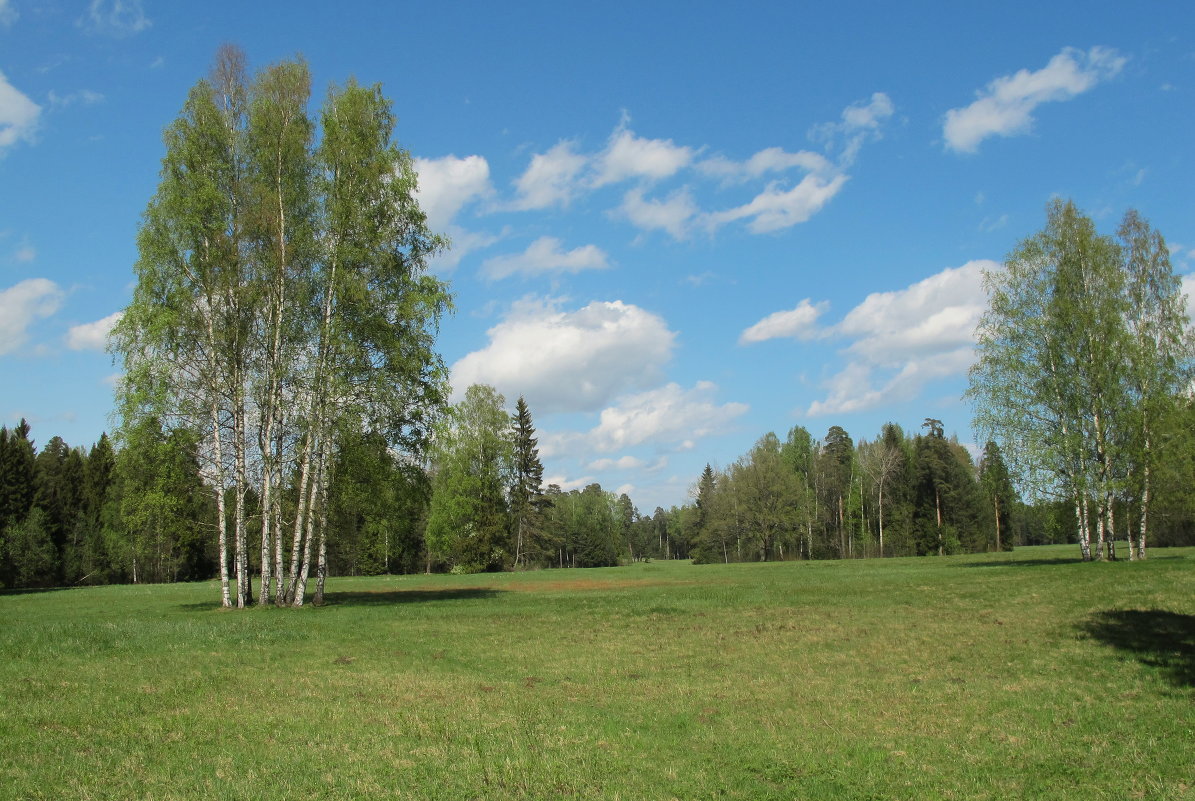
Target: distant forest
<point x="141" y="512"/>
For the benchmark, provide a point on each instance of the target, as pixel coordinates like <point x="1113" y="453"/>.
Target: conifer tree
<point x="527" y="499"/>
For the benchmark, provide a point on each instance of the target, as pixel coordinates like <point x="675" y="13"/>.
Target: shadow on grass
<point x="1160" y="639"/>
<point x="395" y="597"/>
<point x="378" y="598"/>
<point x="1062" y="560"/>
<point x="36" y="590"/>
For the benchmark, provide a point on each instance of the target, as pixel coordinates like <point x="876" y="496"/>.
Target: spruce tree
<point x="527" y="494"/>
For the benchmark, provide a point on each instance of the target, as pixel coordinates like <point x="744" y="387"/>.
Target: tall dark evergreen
<point x="527" y="500"/>
<point x="17" y="487"/>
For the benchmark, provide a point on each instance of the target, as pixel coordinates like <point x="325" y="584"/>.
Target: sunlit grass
<point x="999" y="676"/>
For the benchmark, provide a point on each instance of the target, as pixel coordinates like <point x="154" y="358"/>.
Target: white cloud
<point x="25" y="254"/>
<point x="463" y="242"/>
<point x="448" y="184"/>
<point x="551" y="179"/>
<point x="1189" y="291"/>
<point x="669" y="414"/>
<point x="933" y="315"/>
<point x="569" y="361"/>
<point x="569" y="484"/>
<point x="772" y="159"/>
<point x="92" y="336"/>
<point x="85" y="97"/>
<point x="798" y="323"/>
<point x="18" y="115"/>
<point x="776" y="207"/>
<point x="860" y="121"/>
<point x="913" y="336"/>
<point x="628" y="156"/>
<point x="20" y="305"/>
<point x="545" y="255"/>
<point x="1005" y="106"/>
<point x="673" y="214"/>
<point x="8" y="14"/>
<point x="118" y="18"/>
<point x="622" y="463"/>
<point x="989" y="224"/>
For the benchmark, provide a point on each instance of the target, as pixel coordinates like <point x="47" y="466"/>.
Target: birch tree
<point x="1159" y="352"/>
<point x="1081" y="346"/>
<point x="282" y="299"/>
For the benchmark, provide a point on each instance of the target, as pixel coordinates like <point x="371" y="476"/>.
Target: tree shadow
<point x="396" y="597"/>
<point x="1062" y="560"/>
<point x="1158" y="638"/>
<point x="372" y="598"/>
<point x="36" y="590"/>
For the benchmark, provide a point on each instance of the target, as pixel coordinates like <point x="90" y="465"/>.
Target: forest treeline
<point x="142" y="512"/>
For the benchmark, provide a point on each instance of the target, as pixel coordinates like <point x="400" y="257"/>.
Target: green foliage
<point x="29" y="550"/>
<point x="376" y="510"/>
<point x="1082" y="348"/>
<point x="162" y="536"/>
<point x="468" y="524"/>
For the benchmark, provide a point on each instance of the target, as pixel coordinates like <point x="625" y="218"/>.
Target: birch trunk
<point x="221" y="513"/>
<point x="1139" y="552"/>
<point x="302" y="510"/>
<point x="1083" y="532"/>
<point x="244" y="587"/>
<point x="316" y="492"/>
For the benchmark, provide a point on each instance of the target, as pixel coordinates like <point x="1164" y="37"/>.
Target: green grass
<point x="1022" y="675"/>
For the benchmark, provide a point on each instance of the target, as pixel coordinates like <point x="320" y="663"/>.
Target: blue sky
<point x="678" y="225"/>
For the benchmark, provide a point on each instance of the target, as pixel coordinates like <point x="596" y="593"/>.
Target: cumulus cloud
<point x="545" y="255"/>
<point x="798" y="323"/>
<point x="92" y="336"/>
<point x="551" y="179"/>
<point x="911" y="336"/>
<point x="669" y="414"/>
<point x="567" y="361"/>
<point x="448" y="184"/>
<point x="18" y="115"/>
<point x="673" y="214"/>
<point x="117" y="18"/>
<point x="777" y="208"/>
<point x="22" y="304"/>
<point x="629" y="156"/>
<point x="1005" y="106"/>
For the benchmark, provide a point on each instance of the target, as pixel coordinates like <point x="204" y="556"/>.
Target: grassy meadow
<point x="1020" y="675"/>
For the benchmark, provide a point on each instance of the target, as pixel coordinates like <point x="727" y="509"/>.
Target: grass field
<point x="1022" y="675"/>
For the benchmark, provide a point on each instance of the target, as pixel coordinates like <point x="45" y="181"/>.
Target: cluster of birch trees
<point x="282" y="304"/>
<point x="1084" y="372"/>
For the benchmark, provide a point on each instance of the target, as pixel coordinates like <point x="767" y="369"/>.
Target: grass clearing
<point x="1022" y="675"/>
